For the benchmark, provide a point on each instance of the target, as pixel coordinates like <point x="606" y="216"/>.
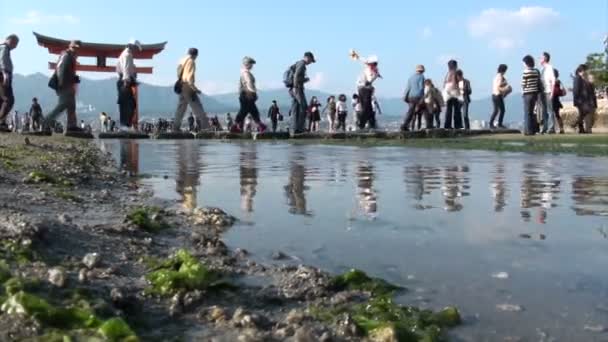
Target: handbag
<point x="179" y="85"/>
<point x="54" y="81"/>
<point x="280" y="117"/>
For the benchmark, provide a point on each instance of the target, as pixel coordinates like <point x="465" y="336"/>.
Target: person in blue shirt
<point x="414" y="96"/>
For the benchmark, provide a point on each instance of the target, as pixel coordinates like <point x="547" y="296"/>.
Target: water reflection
<point x="248" y="172"/>
<point x="499" y="187"/>
<point x="590" y="196"/>
<point x="455" y="186"/>
<point x="420" y="182"/>
<point x="539" y="192"/>
<point x="129" y="156"/>
<point x="295" y="188"/>
<point x="365" y="189"/>
<point x="188" y="173"/>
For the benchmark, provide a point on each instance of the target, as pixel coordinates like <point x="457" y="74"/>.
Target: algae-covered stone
<point x="147" y="218"/>
<point x="448" y="317"/>
<point x="384" y="334"/>
<point x="116" y="329"/>
<point x="5" y="271"/>
<point x="181" y="272"/>
<point x="358" y="280"/>
<point x="57" y="277"/>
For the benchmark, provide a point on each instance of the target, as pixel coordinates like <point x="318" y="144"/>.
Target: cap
<point x="135" y="42"/>
<point x="248" y="60"/>
<point x="311" y="56"/>
<point x="371" y="59"/>
<point x="75" y="44"/>
<point x="420" y="68"/>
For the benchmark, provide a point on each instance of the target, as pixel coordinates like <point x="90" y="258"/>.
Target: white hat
<point x="371" y="59"/>
<point x="135" y="42"/>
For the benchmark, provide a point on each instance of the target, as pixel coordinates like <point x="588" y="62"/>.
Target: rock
<point x="82" y="275"/>
<point x="525" y="236"/>
<point x="217" y="314"/>
<point x="501" y="275"/>
<point x="386" y="334"/>
<point x="91" y="260"/>
<point x="64" y="218"/>
<point x="294" y="317"/>
<point x="212" y="217"/>
<point x="326" y="337"/>
<point x="116" y="295"/>
<point x="192" y="298"/>
<point x="509" y="307"/>
<point x="241" y="253"/>
<point x="283" y="333"/>
<point x="304" y="334"/>
<point x="278" y="255"/>
<point x="252" y="335"/>
<point x="57" y="277"/>
<point x="347" y="327"/>
<point x="595" y="328"/>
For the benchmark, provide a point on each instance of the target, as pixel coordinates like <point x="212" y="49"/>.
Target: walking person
<point x="274" y="113"/>
<point x="546" y="95"/>
<point x="248" y="95"/>
<point x="414" y="96"/>
<point x="558" y="91"/>
<point x="294" y="79"/>
<point x="531" y="87"/>
<point x="188" y="92"/>
<point x="584" y="100"/>
<point x="500" y="89"/>
<point x="342" y="112"/>
<point x="7" y="97"/>
<point x="64" y="81"/>
<point x="127" y="86"/>
<point x="452" y="93"/>
<point x="365" y="89"/>
<point x="465" y="86"/>
<point x="314" y="114"/>
<point x="331" y="110"/>
<point x="229" y="121"/>
<point x="433" y="101"/>
<point x="36" y="115"/>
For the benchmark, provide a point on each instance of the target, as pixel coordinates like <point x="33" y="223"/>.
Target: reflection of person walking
<point x="295" y="80"/>
<point x="127" y="84"/>
<point x="188" y="92"/>
<point x="64" y="82"/>
<point x="248" y="95"/>
<point x="7" y="98"/>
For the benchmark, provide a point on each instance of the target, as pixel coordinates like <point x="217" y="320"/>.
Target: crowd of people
<point x="541" y="92"/>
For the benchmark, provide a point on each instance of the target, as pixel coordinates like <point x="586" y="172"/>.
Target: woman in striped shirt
<point x="531" y="87"/>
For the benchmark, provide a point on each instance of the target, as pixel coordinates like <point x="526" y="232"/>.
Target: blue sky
<point x="480" y="34"/>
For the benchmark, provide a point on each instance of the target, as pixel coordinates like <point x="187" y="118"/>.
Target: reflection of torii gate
<point x="102" y="52"/>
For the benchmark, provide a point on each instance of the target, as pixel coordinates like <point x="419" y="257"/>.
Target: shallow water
<point x="468" y="228"/>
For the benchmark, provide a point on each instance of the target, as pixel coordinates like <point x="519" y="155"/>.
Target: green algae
<point x="68" y="196"/>
<point x="380" y="316"/>
<point x="5" y="271"/>
<point x="358" y="280"/>
<point x="40" y="177"/>
<point x="67" y="320"/>
<point x="20" y="252"/>
<point x="182" y="272"/>
<point x="148" y="219"/>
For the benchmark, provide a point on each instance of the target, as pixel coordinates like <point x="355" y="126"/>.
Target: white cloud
<point x="39" y="18"/>
<point x="506" y="29"/>
<point x="426" y="33"/>
<point x="316" y="81"/>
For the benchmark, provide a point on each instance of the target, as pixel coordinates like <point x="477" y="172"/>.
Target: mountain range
<point x="95" y="96"/>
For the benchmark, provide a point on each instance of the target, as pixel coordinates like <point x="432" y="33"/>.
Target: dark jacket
<point x="299" y="76"/>
<point x="467" y="91"/>
<point x="273" y="112"/>
<point x="66" y="70"/>
<point x="584" y="94"/>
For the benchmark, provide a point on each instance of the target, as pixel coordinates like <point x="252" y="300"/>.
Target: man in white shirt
<point x="127" y="84"/>
<point x="548" y="80"/>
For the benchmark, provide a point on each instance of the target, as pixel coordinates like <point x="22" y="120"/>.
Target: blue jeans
<point x="529" y="118"/>
<point x="548" y="112"/>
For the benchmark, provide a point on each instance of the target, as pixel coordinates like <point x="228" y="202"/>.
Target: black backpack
<point x="288" y="76"/>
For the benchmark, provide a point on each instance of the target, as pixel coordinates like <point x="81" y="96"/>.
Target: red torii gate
<point x="101" y="52"/>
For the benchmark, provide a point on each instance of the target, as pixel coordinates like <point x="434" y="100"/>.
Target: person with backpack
<point x="531" y="87"/>
<point x="248" y="96"/>
<point x="465" y="86"/>
<point x="7" y="97"/>
<point x="274" y="113"/>
<point x="558" y="91"/>
<point x="64" y="82"/>
<point x="188" y="92"/>
<point x="294" y="79"/>
<point x="500" y="89"/>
